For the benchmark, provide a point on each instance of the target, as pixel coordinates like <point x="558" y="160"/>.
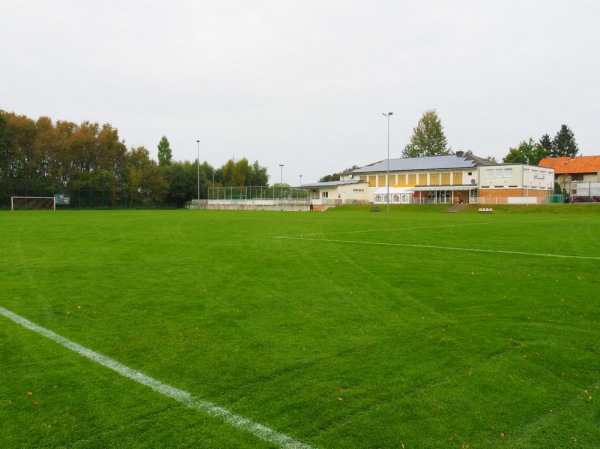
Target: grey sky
<point x="304" y="82"/>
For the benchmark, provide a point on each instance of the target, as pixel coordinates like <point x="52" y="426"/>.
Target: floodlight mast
<point x="387" y="181"/>
<point x="281" y="183"/>
<point x="198" y="164"/>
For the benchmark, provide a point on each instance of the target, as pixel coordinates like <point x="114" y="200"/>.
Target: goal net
<point x="32" y="203"/>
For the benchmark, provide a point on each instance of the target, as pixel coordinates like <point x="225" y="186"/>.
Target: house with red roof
<point x="579" y="176"/>
<point x="573" y="169"/>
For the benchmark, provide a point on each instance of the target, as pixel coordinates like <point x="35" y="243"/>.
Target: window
<point x="324" y="194"/>
<point x="499" y="173"/>
<point x="489" y="174"/>
<point x="508" y="172"/>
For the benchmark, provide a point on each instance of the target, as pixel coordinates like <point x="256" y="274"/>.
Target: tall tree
<point x="182" y="178"/>
<point x="528" y="152"/>
<point x="145" y="184"/>
<point x="564" y="143"/>
<point x="428" y="138"/>
<point x="259" y="175"/>
<point x="6" y="147"/>
<point x="546" y="144"/>
<point x="165" y="154"/>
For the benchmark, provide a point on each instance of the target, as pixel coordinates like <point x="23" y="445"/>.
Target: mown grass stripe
<point x="258" y="430"/>
<point x="453" y="248"/>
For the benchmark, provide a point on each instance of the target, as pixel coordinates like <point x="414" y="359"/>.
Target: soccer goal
<point x="32" y="203"/>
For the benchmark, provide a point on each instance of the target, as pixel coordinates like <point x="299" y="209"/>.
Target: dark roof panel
<point x="332" y="183"/>
<point x="425" y="163"/>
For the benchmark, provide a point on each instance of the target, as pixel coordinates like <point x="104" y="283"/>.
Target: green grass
<point x="372" y="330"/>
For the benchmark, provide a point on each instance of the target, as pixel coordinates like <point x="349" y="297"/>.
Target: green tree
<point x="564" y="143"/>
<point x="528" y="152"/>
<point x="145" y="183"/>
<point x="164" y="152"/>
<point x="182" y="178"/>
<point x="338" y="176"/>
<point x="546" y="144"/>
<point x="241" y="175"/>
<point x="259" y="175"/>
<point x="228" y="170"/>
<point x="428" y="138"/>
<point x="6" y="147"/>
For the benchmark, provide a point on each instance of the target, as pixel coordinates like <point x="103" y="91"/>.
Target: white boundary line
<point x="239" y="422"/>
<point x="476" y="250"/>
<point x="412" y="228"/>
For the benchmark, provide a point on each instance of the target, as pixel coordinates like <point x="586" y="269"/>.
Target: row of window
<point x="499" y="173"/>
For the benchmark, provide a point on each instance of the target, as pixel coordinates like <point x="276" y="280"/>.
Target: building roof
<point x="449" y="162"/>
<point x="566" y="165"/>
<point x="331" y="183"/>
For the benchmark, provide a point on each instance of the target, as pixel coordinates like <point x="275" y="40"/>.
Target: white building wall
<point x="516" y="176"/>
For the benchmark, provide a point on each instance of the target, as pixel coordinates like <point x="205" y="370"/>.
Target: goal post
<point x="32" y="203"/>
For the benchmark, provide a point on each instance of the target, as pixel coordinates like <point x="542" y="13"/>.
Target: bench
<point x="375" y="209"/>
<point x="487" y="210"/>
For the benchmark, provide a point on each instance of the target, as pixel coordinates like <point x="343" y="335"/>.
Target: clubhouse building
<point x="452" y="179"/>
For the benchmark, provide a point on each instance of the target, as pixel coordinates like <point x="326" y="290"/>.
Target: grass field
<point x="346" y="329"/>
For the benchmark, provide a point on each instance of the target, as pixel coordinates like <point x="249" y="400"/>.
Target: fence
<point x="286" y="204"/>
<point x="585" y="192"/>
<point x="80" y="198"/>
<point x="290" y="204"/>
<point x="256" y="193"/>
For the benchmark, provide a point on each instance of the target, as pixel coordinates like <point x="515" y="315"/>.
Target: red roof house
<point x="579" y="168"/>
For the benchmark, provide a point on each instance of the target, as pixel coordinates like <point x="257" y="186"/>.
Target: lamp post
<point x="281" y="183"/>
<point x="198" y="164"/>
<point x="527" y="184"/>
<point x="387" y="181"/>
<point x="300" y="180"/>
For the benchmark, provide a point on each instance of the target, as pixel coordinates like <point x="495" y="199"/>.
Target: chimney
<point x="460" y="153"/>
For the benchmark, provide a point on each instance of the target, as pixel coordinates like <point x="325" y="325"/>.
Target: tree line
<point x="428" y="139"/>
<point x="532" y="152"/>
<point x="92" y="164"/>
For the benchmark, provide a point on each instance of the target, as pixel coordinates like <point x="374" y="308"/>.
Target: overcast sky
<point x="304" y="83"/>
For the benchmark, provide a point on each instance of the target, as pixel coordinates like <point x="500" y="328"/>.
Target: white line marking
<point x="477" y="250"/>
<point x="398" y="229"/>
<point x="239" y="422"/>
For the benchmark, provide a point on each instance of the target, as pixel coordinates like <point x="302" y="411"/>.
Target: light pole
<point x="281" y="183"/>
<point x="387" y="181"/>
<point x="198" y="164"/>
<point x="527" y="184"/>
<point x="300" y="180"/>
